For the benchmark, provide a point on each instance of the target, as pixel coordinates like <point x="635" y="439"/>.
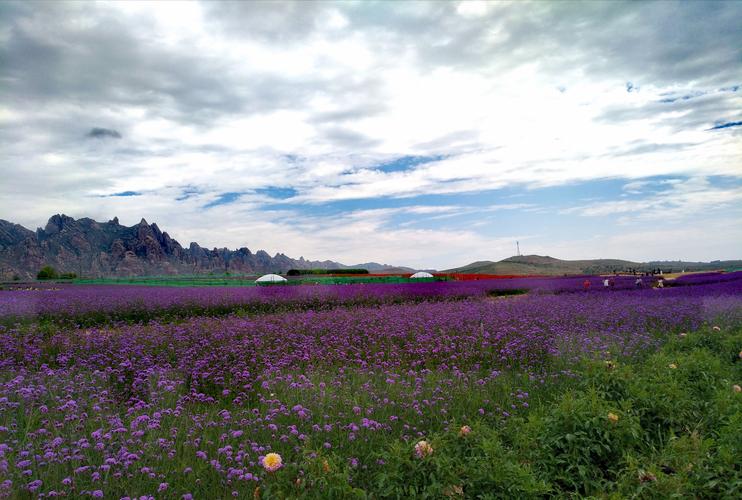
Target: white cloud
<point x="312" y="97"/>
<point x="682" y="200"/>
<point x="714" y="239"/>
<point x="635" y="187"/>
<point x="473" y="8"/>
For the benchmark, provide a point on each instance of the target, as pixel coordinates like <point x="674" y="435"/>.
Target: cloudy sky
<point x="428" y="134"/>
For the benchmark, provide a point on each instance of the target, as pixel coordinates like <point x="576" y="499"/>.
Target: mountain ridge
<point x="105" y="249"/>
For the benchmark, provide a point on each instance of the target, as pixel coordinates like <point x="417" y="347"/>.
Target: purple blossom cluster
<point x="161" y="407"/>
<point x="706" y="278"/>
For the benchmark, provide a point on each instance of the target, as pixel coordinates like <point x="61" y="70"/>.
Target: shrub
<point x="611" y="379"/>
<point x="673" y="401"/>
<point x="315" y="476"/>
<point x="669" y="472"/>
<point x="476" y="465"/>
<point x="580" y="443"/>
<point x="47" y="273"/>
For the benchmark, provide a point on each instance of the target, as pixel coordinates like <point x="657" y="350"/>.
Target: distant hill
<point x="375" y="267"/>
<point x="537" y="264"/>
<point x="102" y="249"/>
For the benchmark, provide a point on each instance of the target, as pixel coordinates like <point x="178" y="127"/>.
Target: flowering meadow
<point x="430" y="390"/>
<point x="85" y="304"/>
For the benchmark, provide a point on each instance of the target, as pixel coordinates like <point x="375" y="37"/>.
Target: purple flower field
<point x="171" y="409"/>
<point x="115" y="302"/>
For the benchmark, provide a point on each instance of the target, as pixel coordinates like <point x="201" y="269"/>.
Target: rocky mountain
<point x="544" y="265"/>
<point x="99" y="249"/>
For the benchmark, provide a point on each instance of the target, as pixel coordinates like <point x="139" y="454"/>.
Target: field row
<point x="96" y="305"/>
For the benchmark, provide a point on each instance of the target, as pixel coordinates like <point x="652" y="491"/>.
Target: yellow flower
<point x="325" y="466"/>
<point x="610" y="364"/>
<point x="672" y="365"/>
<point x="737" y="388"/>
<point x="272" y="462"/>
<point x="423" y="449"/>
<point x="464" y="431"/>
<point x="612" y="417"/>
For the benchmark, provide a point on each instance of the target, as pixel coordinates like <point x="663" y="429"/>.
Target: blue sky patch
<point x="188" y="192"/>
<point x="685" y="97"/>
<point x="726" y="125"/>
<point x="125" y="193"/>
<point x="224" y="199"/>
<point x="278" y="193"/>
<point x="406" y="163"/>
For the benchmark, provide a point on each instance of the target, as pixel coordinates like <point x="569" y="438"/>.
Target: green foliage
<point x="316" y="476"/>
<point x="610" y="378"/>
<point x="580" y="442"/>
<point x="47" y="273"/>
<point x="302" y="272"/>
<point x="473" y="466"/>
<point x="677" y="432"/>
<point x="666" y="474"/>
<point x="671" y="401"/>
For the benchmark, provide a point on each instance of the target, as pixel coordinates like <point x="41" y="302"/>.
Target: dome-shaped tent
<point x="270" y="278"/>
<point x="421" y="274"/>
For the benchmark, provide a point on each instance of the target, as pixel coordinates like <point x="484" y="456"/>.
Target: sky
<point x="425" y="134"/>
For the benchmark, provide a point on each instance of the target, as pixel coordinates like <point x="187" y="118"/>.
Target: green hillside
<point x="538" y="264"/>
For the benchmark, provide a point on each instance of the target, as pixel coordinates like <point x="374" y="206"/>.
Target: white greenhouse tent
<point x="421" y="274"/>
<point x="270" y="278"/>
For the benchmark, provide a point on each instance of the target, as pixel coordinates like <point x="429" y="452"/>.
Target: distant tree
<point x="16" y="277"/>
<point x="47" y="273"/>
<point x="299" y="272"/>
<point x="68" y="276"/>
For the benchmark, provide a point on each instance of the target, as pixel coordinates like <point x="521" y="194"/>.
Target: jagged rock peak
<point x="57" y="222"/>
